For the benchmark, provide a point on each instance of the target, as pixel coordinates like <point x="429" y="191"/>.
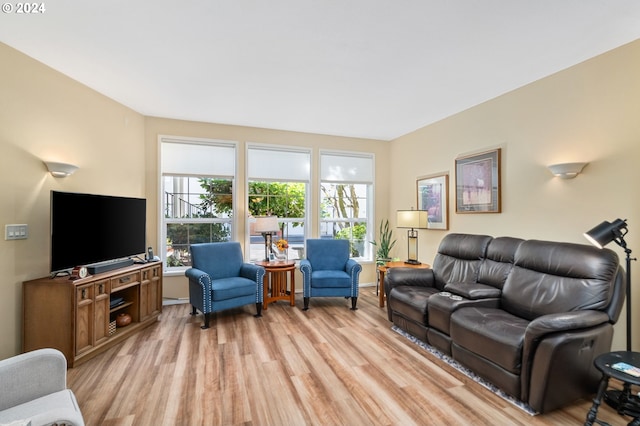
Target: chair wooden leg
<point x="306" y="304"/>
<point x="193" y="310"/>
<point x="354" y="301"/>
<point x="259" y="309"/>
<point x="206" y="321"/>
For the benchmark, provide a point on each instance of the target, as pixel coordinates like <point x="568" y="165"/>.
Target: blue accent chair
<point x="328" y="271"/>
<point x="219" y="279"/>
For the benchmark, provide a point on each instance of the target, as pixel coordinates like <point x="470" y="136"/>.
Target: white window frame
<point x="301" y="174"/>
<point x="162" y="221"/>
<point x="341" y="174"/>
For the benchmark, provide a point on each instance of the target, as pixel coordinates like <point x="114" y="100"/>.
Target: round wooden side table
<point x="624" y="401"/>
<point x="275" y="285"/>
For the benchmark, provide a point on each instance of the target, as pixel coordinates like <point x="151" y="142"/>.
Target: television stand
<point x="78" y="316"/>
<point x="108" y="265"/>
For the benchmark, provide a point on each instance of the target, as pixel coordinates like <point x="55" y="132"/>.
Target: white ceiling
<point x="363" y="68"/>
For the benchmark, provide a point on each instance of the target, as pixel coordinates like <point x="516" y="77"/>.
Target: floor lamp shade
<point x="267" y="226"/>
<point x="412" y="219"/>
<point x="606" y="232"/>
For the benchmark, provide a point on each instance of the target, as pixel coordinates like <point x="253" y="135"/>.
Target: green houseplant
<point x="386" y="243"/>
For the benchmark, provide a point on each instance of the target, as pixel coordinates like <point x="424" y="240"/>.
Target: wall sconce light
<point x="267" y="226"/>
<point x="413" y="219"/>
<point x="566" y="170"/>
<point x="60" y="170"/>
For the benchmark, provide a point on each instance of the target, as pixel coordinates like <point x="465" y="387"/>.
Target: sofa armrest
<point x="421" y="277"/>
<point x="473" y="291"/>
<point x="565" y="321"/>
<point x="252" y="272"/>
<point x="31" y="375"/>
<point x="411" y="276"/>
<point x="553" y="325"/>
<point x="305" y="266"/>
<point x="198" y="277"/>
<point x="559" y="327"/>
<point x="353" y="268"/>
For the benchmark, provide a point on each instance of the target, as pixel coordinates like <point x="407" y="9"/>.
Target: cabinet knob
<point x="84" y="293"/>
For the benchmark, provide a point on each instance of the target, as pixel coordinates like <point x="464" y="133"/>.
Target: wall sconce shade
<point x="413" y="219"/>
<point x="60" y="170"/>
<point x="566" y="170"/>
<point x="267" y="226"/>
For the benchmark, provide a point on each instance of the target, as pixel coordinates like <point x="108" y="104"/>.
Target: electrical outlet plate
<point x="16" y="231"/>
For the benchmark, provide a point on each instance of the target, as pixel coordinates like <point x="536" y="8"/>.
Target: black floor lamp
<point x="600" y="236"/>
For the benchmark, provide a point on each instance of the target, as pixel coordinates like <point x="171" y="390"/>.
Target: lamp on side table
<point x="267" y="226"/>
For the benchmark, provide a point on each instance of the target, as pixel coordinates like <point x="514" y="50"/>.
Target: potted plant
<point x="386" y="243"/>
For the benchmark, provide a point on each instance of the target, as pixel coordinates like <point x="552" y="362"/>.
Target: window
<point x="197" y="196"/>
<point x="278" y="182"/>
<point x="346" y="199"/>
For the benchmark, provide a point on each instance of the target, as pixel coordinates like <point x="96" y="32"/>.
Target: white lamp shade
<point x="417" y="219"/>
<point x="267" y="224"/>
<point x="60" y="169"/>
<point x="566" y="170"/>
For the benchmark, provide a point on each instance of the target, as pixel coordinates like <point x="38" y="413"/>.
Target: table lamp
<point x="412" y="219"/>
<point x="267" y="226"/>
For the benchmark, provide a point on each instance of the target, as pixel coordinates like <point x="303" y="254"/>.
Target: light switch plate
<point x="16" y="231"/>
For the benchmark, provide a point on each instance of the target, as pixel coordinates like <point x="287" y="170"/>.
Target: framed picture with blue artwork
<point x="433" y="196"/>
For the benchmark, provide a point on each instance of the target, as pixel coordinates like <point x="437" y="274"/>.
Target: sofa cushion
<point x="490" y="333"/>
<point x="552" y="277"/>
<point x="229" y="288"/>
<point x="442" y="305"/>
<point x="330" y="279"/>
<point x="498" y="261"/>
<point x="459" y="257"/>
<point x="411" y="302"/>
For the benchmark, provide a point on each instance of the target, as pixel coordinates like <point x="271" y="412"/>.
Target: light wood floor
<point x="326" y="366"/>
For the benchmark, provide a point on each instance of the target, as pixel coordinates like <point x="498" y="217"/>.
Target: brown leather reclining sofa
<point x="529" y="316"/>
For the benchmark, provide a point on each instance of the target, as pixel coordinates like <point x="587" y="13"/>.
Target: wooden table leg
<point x="593" y="412"/>
<point x="265" y="295"/>
<point x="292" y="295"/>
<point x="381" y="294"/>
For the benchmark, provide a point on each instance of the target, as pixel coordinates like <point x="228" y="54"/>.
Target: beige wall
<point x="589" y="113"/>
<point x="47" y="116"/>
<point x="176" y="286"/>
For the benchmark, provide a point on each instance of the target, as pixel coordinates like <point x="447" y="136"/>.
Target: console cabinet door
<point x="144" y="294"/>
<point x="155" y="290"/>
<point x="84" y="318"/>
<point x="101" y="311"/>
<point x="150" y="292"/>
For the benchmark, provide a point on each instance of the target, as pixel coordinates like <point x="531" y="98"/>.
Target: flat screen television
<point x="88" y="229"/>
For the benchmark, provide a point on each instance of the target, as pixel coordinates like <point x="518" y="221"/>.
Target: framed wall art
<point x="433" y="196"/>
<point x="478" y="183"/>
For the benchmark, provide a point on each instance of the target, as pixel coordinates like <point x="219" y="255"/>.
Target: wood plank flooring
<point x="326" y="366"/>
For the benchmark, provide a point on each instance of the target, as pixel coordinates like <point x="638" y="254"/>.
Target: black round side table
<point x="624" y="401"/>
